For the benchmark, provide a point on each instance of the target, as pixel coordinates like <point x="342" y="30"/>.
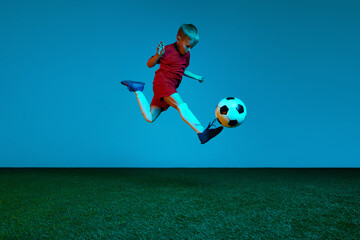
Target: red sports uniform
<point x="168" y="76"/>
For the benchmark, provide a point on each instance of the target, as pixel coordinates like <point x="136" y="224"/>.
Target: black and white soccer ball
<point x="230" y="112"/>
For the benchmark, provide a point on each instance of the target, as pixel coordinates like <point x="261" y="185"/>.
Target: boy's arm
<point x="189" y="74"/>
<point x="153" y="60"/>
<point x="159" y="53"/>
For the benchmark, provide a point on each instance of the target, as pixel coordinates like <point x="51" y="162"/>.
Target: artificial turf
<point x="180" y="203"/>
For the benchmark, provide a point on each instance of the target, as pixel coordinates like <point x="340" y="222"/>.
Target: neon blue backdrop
<point x="294" y="63"/>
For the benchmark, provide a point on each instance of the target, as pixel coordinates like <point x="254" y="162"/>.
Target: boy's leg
<point x="176" y="102"/>
<point x="150" y="113"/>
<point x="155" y="112"/>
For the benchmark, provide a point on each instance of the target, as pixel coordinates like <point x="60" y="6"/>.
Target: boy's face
<point x="184" y="44"/>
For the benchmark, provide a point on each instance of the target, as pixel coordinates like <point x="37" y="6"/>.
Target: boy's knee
<point x="151" y="121"/>
<point x="148" y="120"/>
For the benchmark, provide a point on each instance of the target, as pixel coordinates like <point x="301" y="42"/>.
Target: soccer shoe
<point x="133" y="86"/>
<point x="208" y="133"/>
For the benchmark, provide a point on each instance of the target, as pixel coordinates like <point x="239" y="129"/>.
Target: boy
<point x="173" y="60"/>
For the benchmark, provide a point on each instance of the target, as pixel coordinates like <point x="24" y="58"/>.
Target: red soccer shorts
<point x="162" y="90"/>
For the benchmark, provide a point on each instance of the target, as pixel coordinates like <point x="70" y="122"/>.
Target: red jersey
<point x="168" y="77"/>
<point x="172" y="66"/>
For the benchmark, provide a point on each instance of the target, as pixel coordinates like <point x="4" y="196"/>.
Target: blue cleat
<point x="134" y="86"/>
<point x="208" y="133"/>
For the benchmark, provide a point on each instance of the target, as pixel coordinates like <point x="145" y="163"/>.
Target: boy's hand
<point x="160" y="49"/>
<point x="201" y="79"/>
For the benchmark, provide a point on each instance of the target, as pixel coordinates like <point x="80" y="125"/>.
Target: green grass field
<point x="179" y="203"/>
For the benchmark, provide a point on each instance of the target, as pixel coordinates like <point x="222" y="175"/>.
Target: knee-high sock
<point x="144" y="106"/>
<point x="190" y="118"/>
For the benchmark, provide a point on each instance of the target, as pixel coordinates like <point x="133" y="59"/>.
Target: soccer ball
<point x="230" y="112"/>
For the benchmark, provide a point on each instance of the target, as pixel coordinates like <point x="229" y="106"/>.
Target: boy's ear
<point x="178" y="38"/>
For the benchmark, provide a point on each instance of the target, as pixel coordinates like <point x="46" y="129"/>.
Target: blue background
<point x="295" y="64"/>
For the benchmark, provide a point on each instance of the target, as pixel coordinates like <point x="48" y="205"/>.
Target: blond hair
<point x="190" y="31"/>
